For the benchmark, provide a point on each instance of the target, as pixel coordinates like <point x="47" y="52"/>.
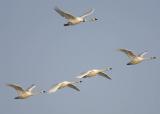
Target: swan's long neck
<point x="38" y="93"/>
<point x="150" y="58"/>
<point x="107" y="69"/>
<point x="79" y="81"/>
<point x="91" y="20"/>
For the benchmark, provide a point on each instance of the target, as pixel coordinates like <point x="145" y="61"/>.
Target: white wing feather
<point x="87" y="13"/>
<point x="82" y="75"/>
<point x="64" y="14"/>
<point x="54" y="88"/>
<point x="31" y="87"/>
<point x="144" y="53"/>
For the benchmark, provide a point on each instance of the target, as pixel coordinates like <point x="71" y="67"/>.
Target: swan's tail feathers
<point x="66" y="24"/>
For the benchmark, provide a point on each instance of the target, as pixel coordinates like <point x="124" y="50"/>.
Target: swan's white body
<point x="135" y="59"/>
<point x="95" y="72"/>
<point x="73" y="20"/>
<point x="22" y="94"/>
<point x="63" y="85"/>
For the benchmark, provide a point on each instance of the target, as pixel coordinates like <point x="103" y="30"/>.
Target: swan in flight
<point x="23" y="94"/>
<point x="73" y="20"/>
<point x="135" y="59"/>
<point x="63" y="85"/>
<point x="95" y="72"/>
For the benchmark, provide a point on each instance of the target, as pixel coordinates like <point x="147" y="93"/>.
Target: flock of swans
<point x="72" y="20"/>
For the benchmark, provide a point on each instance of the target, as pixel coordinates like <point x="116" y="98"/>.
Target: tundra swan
<point x="64" y="84"/>
<point x="23" y="94"/>
<point x="73" y="20"/>
<point x="94" y="72"/>
<point x="135" y="59"/>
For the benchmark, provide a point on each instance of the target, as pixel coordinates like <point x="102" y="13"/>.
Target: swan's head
<point x="80" y="81"/>
<point x="94" y="19"/>
<point x="108" y="68"/>
<point x="153" y="57"/>
<point x="43" y="91"/>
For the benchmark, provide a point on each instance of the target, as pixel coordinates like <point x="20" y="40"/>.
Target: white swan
<point x="23" y="94"/>
<point x="72" y="20"/>
<point x="135" y="59"/>
<point x="94" y="72"/>
<point x="63" y="85"/>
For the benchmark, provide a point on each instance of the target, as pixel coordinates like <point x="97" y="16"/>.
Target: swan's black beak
<point x="110" y="68"/>
<point x="154" y="57"/>
<point x="95" y="19"/>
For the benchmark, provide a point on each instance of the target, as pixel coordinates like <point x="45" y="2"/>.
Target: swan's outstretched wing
<point x="89" y="12"/>
<point x="82" y="75"/>
<point x="129" y="53"/>
<point x="143" y="53"/>
<point x="104" y="75"/>
<point x="31" y="87"/>
<point x="64" y="14"/>
<point x="73" y="87"/>
<point x="17" y="88"/>
<point x="54" y="88"/>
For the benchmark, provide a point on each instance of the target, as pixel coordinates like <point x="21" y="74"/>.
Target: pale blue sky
<point x="37" y="49"/>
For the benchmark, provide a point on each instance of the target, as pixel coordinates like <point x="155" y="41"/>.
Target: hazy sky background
<point x="35" y="48"/>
